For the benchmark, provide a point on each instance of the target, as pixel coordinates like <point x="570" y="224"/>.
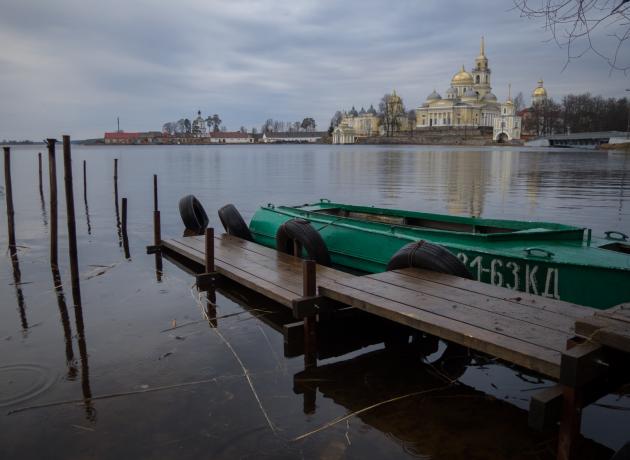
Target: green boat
<point x="552" y="260"/>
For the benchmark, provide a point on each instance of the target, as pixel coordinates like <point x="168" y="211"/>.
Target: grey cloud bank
<point x="73" y="66"/>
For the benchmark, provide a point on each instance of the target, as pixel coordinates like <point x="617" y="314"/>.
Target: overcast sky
<point x="73" y="66"/>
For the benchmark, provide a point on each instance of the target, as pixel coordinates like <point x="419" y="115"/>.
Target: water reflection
<point x="17" y="283"/>
<point x="428" y="416"/>
<point x="65" y="323"/>
<point x="354" y="369"/>
<point x="85" y="199"/>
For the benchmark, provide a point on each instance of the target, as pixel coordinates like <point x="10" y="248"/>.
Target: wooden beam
<point x="582" y="364"/>
<point x="207" y="281"/>
<point x="306" y="306"/>
<point x="545" y="408"/>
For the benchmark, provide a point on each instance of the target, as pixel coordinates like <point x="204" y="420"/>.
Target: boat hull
<point x="368" y="247"/>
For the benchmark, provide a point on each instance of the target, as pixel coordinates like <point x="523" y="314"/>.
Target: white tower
<point x="481" y="72"/>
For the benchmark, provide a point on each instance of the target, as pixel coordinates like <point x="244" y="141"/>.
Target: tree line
<point x="577" y="113"/>
<point x="184" y="125"/>
<point x="277" y="126"/>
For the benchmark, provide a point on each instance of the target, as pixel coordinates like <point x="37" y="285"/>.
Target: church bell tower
<point x="481" y="72"/>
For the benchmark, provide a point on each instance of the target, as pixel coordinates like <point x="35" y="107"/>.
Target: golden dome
<point x="540" y="91"/>
<point x="462" y="78"/>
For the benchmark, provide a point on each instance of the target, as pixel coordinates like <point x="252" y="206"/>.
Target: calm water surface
<point x="131" y="386"/>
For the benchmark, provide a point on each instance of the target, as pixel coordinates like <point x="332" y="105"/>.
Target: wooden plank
<point x="524" y="354"/>
<point x="262" y="286"/>
<point x="284" y="270"/>
<point x="269" y="255"/>
<point x="612" y="333"/>
<point x="557" y="306"/>
<point x="550" y="320"/>
<point x="619" y="312"/>
<point x="525" y="332"/>
<point x="582" y="364"/>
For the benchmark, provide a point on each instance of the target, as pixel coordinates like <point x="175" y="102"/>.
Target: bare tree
<point x="336" y="119"/>
<point x="308" y="124"/>
<point x="573" y="23"/>
<point x="214" y="123"/>
<point x="519" y="102"/>
<point x="267" y="126"/>
<point x="391" y="111"/>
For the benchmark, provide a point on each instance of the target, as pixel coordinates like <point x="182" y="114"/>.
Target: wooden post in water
<point x="8" y="191"/>
<point x="118" y="229"/>
<point x="124" y="215"/>
<point x="72" y="229"/>
<point x="157" y="235"/>
<point x="84" y="181"/>
<point x="155" y="193"/>
<point x="209" y="250"/>
<point x="211" y="295"/>
<point x="52" y="178"/>
<point x="39" y="164"/>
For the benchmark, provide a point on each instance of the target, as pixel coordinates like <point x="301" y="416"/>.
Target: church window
<point x="477" y="79"/>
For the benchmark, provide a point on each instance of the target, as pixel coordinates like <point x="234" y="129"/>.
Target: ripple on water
<point x="21" y="382"/>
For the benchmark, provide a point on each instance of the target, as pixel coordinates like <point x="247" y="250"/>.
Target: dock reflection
<point x="444" y="422"/>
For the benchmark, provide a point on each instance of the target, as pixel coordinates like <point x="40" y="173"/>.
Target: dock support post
<point x="206" y="281"/>
<point x="309" y="288"/>
<point x="155" y="193"/>
<point x="209" y="250"/>
<point x="157" y="232"/>
<point x="580" y="366"/>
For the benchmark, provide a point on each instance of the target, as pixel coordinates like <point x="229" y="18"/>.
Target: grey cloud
<point x="76" y="65"/>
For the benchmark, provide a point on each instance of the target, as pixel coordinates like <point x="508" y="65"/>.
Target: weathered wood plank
<point x="276" y="273"/>
<point x="269" y="255"/>
<point x="530" y="356"/>
<point x="522" y="298"/>
<point x="283" y="270"/>
<point x="609" y="332"/>
<point x="619" y="312"/>
<point x="260" y="285"/>
<point x="550" y="320"/>
<point x="486" y="320"/>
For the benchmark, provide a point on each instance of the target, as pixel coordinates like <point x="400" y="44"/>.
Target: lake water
<point x="133" y="386"/>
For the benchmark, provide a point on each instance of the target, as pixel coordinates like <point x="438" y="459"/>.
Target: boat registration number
<point x="530" y="278"/>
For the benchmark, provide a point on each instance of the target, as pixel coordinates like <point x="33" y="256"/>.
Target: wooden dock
<point x="520" y="328"/>
<point x="533" y="332"/>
